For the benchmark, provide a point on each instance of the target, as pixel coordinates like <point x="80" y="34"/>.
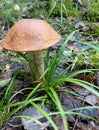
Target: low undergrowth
<point x="50" y="89"/>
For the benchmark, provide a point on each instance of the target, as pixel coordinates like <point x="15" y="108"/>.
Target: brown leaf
<point x="80" y="90"/>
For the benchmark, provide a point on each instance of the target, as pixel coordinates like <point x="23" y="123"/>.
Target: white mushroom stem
<point x="36" y="63"/>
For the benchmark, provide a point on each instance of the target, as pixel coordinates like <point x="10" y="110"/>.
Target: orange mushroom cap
<point x="30" y="35"/>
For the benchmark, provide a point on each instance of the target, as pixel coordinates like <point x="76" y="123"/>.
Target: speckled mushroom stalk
<point x="36" y="63"/>
<point x="31" y="36"/>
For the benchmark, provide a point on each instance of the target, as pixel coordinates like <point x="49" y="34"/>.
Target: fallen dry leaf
<point x="92" y="99"/>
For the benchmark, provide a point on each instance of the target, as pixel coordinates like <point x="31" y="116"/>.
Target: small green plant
<point x="92" y="10"/>
<point x="12" y="11"/>
<point x="64" y="9"/>
<point x="52" y="81"/>
<point x="89" y="56"/>
<point x="5" y="100"/>
<point x="8" y="107"/>
<point x="94" y="59"/>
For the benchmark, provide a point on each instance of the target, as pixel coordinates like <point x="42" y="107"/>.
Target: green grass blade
<point x="51" y="10"/>
<point x="53" y="66"/>
<point x="45" y="115"/>
<point x="58" y="104"/>
<point x="33" y="91"/>
<point x="80" y="72"/>
<point x="83" y="84"/>
<point x="88" y="44"/>
<point x="10" y="87"/>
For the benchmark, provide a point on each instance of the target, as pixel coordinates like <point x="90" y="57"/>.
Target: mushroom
<point x="31" y="36"/>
